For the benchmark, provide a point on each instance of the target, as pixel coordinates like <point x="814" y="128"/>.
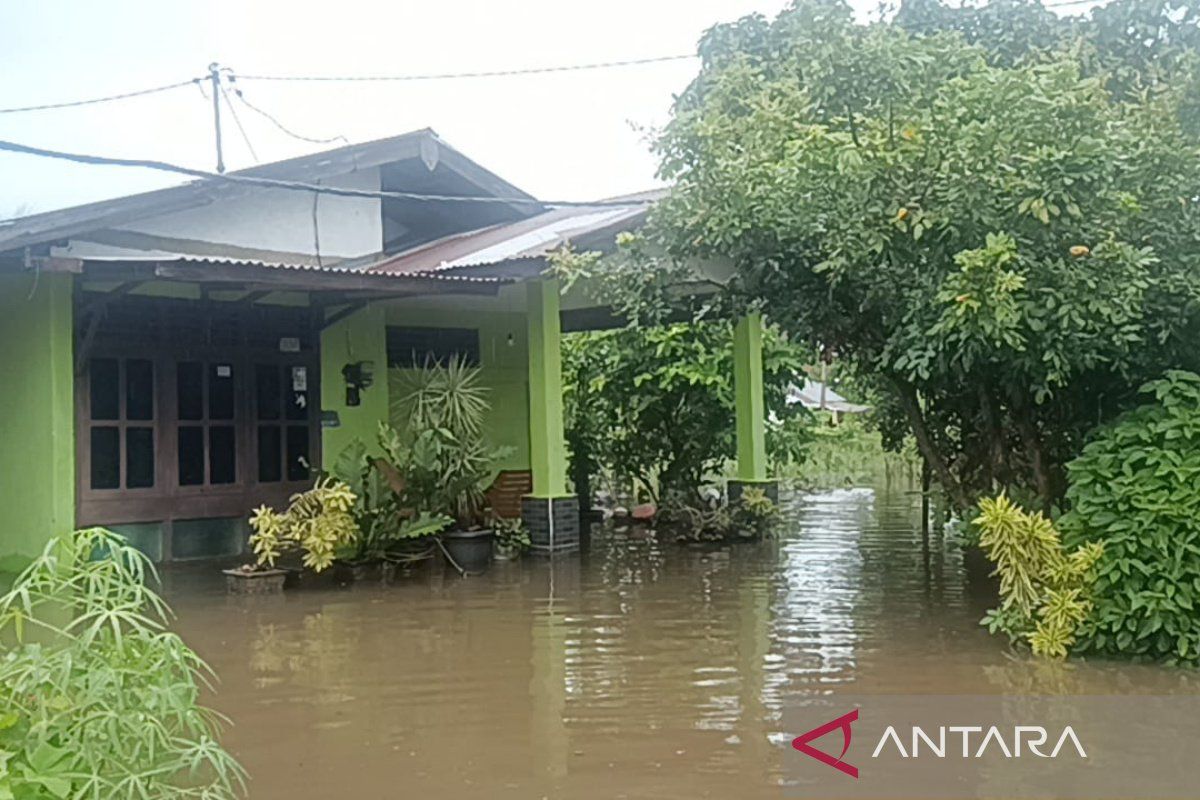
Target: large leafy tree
<point x="993" y="213"/>
<point x="655" y="405"/>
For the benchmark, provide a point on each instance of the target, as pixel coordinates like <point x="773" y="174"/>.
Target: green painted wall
<point x="503" y="348"/>
<point x="37" y="427"/>
<point x="359" y="337"/>
<point x="748" y="399"/>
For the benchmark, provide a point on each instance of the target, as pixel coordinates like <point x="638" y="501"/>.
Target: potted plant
<point x="388" y="532"/>
<point x="512" y="538"/>
<point x="450" y="465"/>
<point x="316" y="523"/>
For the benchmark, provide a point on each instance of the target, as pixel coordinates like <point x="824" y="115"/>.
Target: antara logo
<point x="801" y="743"/>
<point x="1032" y="737"/>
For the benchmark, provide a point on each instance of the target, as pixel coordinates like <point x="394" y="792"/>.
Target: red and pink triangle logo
<point x="801" y="743"/>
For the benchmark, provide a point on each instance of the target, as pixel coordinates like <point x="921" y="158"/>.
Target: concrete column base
<point x="735" y="488"/>
<point x="553" y="523"/>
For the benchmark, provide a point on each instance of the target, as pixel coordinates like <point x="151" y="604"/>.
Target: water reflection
<point x="635" y="669"/>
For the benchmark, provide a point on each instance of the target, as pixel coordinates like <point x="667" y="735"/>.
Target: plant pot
<point x="471" y="550"/>
<point x="260" y="581"/>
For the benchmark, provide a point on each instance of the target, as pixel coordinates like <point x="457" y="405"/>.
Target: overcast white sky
<point x="567" y="136"/>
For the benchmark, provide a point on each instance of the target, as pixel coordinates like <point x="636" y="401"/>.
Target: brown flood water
<point x="636" y="669"/>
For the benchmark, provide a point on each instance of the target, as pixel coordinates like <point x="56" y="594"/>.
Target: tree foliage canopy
<point x="656" y="405"/>
<point x="993" y="211"/>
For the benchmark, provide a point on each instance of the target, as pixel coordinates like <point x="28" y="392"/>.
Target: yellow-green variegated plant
<point x="317" y="522"/>
<point x="1044" y="590"/>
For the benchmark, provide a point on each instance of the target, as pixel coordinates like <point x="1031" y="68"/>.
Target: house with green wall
<point x="176" y="358"/>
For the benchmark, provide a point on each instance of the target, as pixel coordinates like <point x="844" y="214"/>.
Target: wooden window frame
<point x="167" y="500"/>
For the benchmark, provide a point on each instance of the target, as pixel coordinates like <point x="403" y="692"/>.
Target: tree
<point x="655" y="405"/>
<point x="1003" y="232"/>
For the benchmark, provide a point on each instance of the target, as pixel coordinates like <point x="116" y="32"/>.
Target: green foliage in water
<point x="656" y="405"/>
<point x="1136" y="490"/>
<point x="512" y="537"/>
<point x="1044" y="590"/>
<point x="850" y="453"/>
<point x="98" y="699"/>
<point x="753" y="516"/>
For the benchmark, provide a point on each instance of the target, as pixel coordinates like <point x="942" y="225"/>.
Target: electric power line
<point x="440" y="76"/>
<point x="274" y="121"/>
<point x="107" y="99"/>
<point x="238" y="121"/>
<point x="274" y="183"/>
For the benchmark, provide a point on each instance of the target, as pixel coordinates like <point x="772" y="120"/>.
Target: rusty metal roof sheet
<point x="531" y="239"/>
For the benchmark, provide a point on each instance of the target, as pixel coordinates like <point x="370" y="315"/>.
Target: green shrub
<point x="1136" y="489"/>
<point x="97" y="698"/>
<point x="1044" y="591"/>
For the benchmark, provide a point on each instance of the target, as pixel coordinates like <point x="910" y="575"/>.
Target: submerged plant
<point x="98" y="699"/>
<point x="512" y="536"/>
<point x="1044" y="590"/>
<point x="755" y="515"/>
<point x="752" y="516"/>
<point x="317" y="522"/>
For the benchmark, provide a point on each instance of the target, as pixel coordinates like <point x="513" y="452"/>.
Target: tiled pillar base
<point x="553" y="523"/>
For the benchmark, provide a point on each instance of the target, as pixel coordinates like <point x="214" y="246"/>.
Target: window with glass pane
<point x="121" y="454"/>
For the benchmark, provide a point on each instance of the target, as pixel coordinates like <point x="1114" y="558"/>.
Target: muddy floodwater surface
<point x="637" y="668"/>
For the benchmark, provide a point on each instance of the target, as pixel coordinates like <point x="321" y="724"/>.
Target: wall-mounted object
<point x="359" y="375"/>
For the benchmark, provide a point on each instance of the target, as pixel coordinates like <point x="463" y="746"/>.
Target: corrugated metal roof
<point x="528" y="239"/>
<point x="330" y="269"/>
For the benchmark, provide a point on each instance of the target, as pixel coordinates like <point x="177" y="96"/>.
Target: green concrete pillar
<point x="550" y="514"/>
<point x="547" y="445"/>
<point x="748" y="398"/>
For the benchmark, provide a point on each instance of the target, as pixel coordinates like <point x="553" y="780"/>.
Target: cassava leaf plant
<point x="98" y="698"/>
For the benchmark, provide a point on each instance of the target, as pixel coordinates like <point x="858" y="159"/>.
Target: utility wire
<point x="237" y="121"/>
<point x="107" y="99"/>
<point x="273" y="183"/>
<point x="441" y="76"/>
<point x="274" y="121"/>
